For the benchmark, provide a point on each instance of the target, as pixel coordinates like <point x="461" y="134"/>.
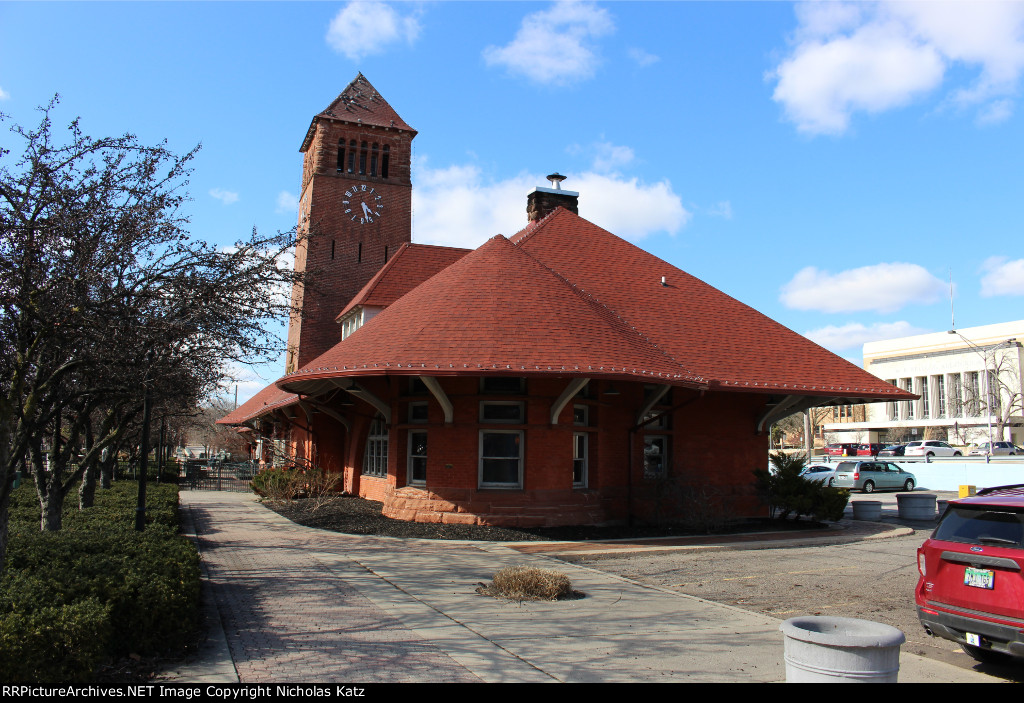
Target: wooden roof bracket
<point x="363" y="394"/>
<point x="442" y="398"/>
<point x="307" y="405"/>
<point x="787" y="406"/>
<point x="574" y="387"/>
<point x="651" y="402"/>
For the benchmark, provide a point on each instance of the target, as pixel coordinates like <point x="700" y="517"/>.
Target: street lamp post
<point x="987" y="389"/>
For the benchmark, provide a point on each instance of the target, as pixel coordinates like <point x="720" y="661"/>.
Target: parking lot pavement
<point x="299" y="604"/>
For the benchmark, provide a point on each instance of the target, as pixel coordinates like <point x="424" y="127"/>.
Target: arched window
<point x="352" y="156"/>
<point x="375" y="460"/>
<point x="341" y="155"/>
<point x="362" y="159"/>
<point x="384" y="161"/>
<point x="373" y="159"/>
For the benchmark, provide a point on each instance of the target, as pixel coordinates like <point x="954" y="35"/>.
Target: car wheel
<point x="869" y="487"/>
<point x="957" y="454"/>
<point x="909" y="485"/>
<point x="984" y="655"/>
<point x="931" y="454"/>
<point x="830" y="482"/>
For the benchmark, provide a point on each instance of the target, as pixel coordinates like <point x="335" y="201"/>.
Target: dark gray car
<point x="871" y="476"/>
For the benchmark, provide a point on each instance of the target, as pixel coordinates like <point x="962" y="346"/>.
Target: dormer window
<point x="352" y="322"/>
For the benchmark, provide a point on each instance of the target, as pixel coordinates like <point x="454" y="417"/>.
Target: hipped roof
<point x="269" y="399"/>
<point x="568" y="298"/>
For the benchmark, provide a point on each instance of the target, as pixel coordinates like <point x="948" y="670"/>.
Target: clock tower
<point x="356" y="200"/>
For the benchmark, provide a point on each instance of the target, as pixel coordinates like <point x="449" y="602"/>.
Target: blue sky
<point x="829" y="163"/>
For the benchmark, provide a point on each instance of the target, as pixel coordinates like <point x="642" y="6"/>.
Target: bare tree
<point x="98" y="274"/>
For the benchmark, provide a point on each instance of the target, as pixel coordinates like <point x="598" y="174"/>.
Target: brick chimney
<point x="542" y="201"/>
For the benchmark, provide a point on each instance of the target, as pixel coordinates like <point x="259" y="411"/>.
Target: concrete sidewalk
<point x="295" y="604"/>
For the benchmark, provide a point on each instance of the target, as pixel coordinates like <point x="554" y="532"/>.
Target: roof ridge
<point x="596" y="302"/>
<point x="532" y="227"/>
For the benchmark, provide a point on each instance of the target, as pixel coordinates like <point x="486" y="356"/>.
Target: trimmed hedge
<point x="97" y="590"/>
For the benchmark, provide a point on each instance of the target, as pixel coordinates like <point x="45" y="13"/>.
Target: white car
<point x="931" y="447"/>
<point x="998" y="449"/>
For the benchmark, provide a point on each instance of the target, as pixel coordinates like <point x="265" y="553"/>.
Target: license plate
<point x="979" y="578"/>
<point x="972" y="639"/>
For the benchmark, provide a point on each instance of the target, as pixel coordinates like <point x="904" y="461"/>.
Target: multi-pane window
<point x="580" y="442"/>
<point x="503" y="411"/>
<point x="894" y="407"/>
<point x="926" y="410"/>
<point x="956" y="401"/>
<point x="655" y="455"/>
<point x="375" y="459"/>
<point x="418" y="411"/>
<point x="940" y="396"/>
<point x="417" y="456"/>
<point x="908" y="384"/>
<point x="501" y="459"/>
<point x="973" y="393"/>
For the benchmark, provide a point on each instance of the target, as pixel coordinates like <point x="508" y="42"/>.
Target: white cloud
<point x="884" y="288"/>
<point x="225" y="196"/>
<point x="4" y="95"/>
<point x="606" y="157"/>
<point x="861" y="57"/>
<point x="855" y="334"/>
<point x="458" y="206"/>
<point x="1002" y="277"/>
<point x="642" y="58"/>
<point x="287" y="204"/>
<point x="555" y="46"/>
<point x="364" y="28"/>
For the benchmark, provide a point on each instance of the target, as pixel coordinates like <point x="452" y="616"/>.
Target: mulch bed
<point x="358" y="516"/>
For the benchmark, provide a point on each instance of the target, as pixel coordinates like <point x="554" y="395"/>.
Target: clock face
<point x="363" y="204"/>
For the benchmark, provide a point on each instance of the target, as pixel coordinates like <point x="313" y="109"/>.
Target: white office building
<point x="970" y="385"/>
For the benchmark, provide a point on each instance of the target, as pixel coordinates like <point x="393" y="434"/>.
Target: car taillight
<point x="921" y="564"/>
<point x="856" y="475"/>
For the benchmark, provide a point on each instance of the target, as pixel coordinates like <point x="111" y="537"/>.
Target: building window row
<point x="950" y="395"/>
<point x="364" y="158"/>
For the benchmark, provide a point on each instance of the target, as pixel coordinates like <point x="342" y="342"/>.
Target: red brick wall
<point x="336" y="265"/>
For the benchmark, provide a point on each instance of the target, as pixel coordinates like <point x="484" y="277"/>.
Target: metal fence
<point x="204" y="475"/>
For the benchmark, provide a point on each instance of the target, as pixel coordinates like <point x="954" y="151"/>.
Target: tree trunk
<point x="87" y="488"/>
<point x="107" y="463"/>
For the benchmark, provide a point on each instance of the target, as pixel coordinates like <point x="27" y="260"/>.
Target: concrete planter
<point x="841" y="650"/>
<point x="867" y="509"/>
<point x="916" y="506"/>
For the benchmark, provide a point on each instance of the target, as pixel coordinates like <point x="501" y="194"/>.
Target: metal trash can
<point x="916" y="506"/>
<point x="867" y="509"/>
<point x="821" y="649"/>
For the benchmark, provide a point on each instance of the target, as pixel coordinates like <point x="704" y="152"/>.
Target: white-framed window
<point x="375" y="459"/>
<point x="926" y="406"/>
<point x="580" y="459"/>
<point x="510" y="412"/>
<point x="655" y="455"/>
<point x="417" y="457"/>
<point x="418" y="411"/>
<point x="501" y="459"/>
<point x="940" y="396"/>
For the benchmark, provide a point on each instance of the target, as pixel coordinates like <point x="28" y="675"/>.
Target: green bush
<point x="276" y="483"/>
<point x="96" y="590"/>
<point x="788" y="493"/>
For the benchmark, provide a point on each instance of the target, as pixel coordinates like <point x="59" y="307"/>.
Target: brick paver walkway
<point x="288" y="617"/>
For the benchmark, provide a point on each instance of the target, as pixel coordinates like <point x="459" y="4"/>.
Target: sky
<point x="835" y="165"/>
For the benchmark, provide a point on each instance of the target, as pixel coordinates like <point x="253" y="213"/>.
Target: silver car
<point x="820" y="473"/>
<point x="871" y="476"/>
<point x="997" y="449"/>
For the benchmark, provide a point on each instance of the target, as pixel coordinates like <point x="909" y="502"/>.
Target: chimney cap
<point x="556" y="180"/>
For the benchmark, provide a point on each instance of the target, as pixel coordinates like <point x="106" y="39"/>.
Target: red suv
<point x="971" y="589"/>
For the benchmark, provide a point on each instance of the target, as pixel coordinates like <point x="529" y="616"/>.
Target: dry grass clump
<point x="530" y="583"/>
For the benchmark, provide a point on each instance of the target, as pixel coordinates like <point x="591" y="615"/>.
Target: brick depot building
<point x="558" y="376"/>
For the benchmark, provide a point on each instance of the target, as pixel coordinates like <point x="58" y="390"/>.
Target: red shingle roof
<point x="496" y="310"/>
<point x="410" y="266"/>
<point x="566" y="297"/>
<point x="361" y="104"/>
<point x="729" y="343"/>
<point x="270" y="398"/>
